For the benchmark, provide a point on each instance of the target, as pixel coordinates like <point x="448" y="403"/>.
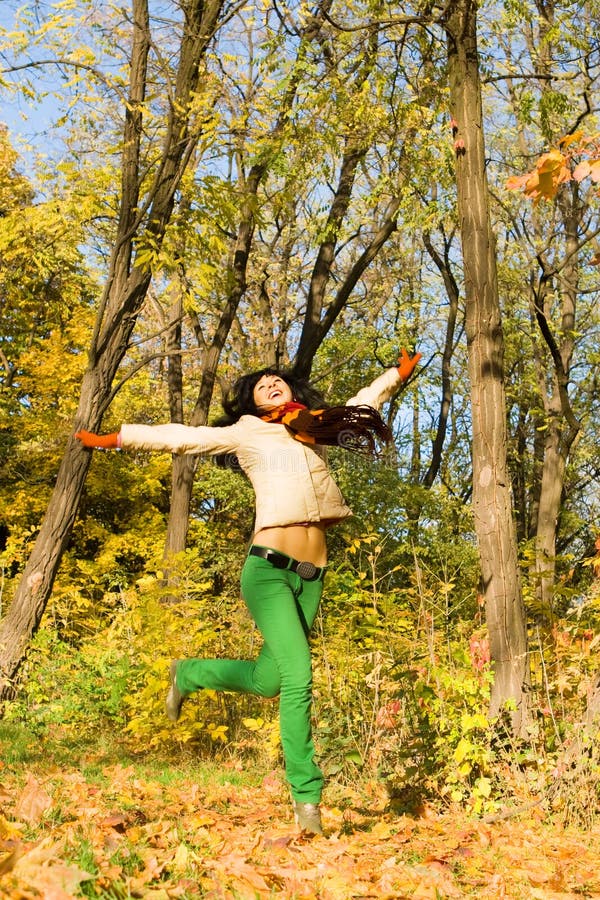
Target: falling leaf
<point x="551" y="162"/>
<point x="517" y="182"/>
<point x="574" y="138"/>
<point x="581" y="170"/>
<point x="595" y="171"/>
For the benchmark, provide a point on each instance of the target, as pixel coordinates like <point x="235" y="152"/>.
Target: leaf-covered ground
<point x="116" y="830"/>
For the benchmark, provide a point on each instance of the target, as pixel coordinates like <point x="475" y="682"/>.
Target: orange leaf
<point x="581" y="170"/>
<point x="595" y="171"/>
<point x="550" y="162"/>
<point x="10" y="861"/>
<point x="33" y="802"/>
<point x="517" y="182"/>
<point x="532" y="185"/>
<point x="569" y="139"/>
<point x="43" y="868"/>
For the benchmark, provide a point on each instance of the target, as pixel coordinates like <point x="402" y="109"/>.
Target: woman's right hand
<point x="98" y="441"/>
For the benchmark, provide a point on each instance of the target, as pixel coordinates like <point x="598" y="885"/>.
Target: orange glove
<point x="98" y="441"/>
<point x="407" y="364"/>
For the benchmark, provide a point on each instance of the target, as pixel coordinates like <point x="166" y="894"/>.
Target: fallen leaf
<point x="8" y="863"/>
<point x="42" y="868"/>
<point x="33" y="802"/>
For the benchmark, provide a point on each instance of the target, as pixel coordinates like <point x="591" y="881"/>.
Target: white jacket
<point x="291" y="481"/>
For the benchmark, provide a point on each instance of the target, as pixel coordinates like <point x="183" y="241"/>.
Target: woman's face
<point x="270" y="392"/>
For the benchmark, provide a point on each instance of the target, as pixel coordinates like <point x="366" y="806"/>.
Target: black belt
<point x="306" y="570"/>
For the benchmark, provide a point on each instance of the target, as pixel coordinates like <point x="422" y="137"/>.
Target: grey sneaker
<point x="174" y="697"/>
<point x="308" y="817"/>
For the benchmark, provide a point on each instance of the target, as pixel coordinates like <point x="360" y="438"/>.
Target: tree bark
<point x="561" y="426"/>
<point x="492" y="506"/>
<point x="145" y="219"/>
<point x="452" y="292"/>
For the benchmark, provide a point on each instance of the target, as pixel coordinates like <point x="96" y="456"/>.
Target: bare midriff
<point x="304" y="541"/>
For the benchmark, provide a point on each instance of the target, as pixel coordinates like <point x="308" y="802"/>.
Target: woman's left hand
<point x="407" y="364"/>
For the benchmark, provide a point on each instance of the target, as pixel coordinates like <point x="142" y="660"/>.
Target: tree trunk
<point x="492" y="506"/>
<point x="182" y="473"/>
<point x="124" y="294"/>
<point x="561" y="424"/>
<point x="25" y="612"/>
<point x="452" y="292"/>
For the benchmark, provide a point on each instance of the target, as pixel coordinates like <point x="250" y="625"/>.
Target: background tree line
<point x="230" y="186"/>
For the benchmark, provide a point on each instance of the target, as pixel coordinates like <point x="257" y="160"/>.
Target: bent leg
<point x="260" y="676"/>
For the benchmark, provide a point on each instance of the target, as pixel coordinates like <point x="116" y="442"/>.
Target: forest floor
<point x="96" y="824"/>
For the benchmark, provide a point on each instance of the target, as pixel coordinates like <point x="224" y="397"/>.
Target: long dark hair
<point x="351" y="427"/>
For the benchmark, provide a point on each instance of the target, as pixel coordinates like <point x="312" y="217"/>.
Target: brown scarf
<point x="351" y="427"/>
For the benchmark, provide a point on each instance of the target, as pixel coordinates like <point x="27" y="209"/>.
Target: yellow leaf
<point x="484" y="787"/>
<point x="383" y="830"/>
<point x="462" y="749"/>
<point x="471" y="722"/>
<point x="573" y="138"/>
<point x="218" y="733"/>
<point x="546" y="185"/>
<point x="253" y="724"/>
<point x="181" y="858"/>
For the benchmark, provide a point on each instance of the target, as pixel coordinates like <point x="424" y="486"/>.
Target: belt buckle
<point x="306" y="570"/>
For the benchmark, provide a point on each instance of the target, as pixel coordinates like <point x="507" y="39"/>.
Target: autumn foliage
<point x="576" y="158"/>
<point x="114" y="830"/>
<point x="324" y="162"/>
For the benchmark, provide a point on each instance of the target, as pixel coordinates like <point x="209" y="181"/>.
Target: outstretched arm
<point x="171" y="438"/>
<point x="386" y="385"/>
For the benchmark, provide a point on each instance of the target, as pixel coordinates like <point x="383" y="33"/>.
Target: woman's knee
<point x="268" y="686"/>
<point x="271" y="691"/>
<point x="294" y="683"/>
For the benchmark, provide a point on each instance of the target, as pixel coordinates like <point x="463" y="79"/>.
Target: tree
<point x="561" y="90"/>
<point x="251" y="173"/>
<point x="273" y="191"/>
<point x="492" y="507"/>
<point x="558" y="307"/>
<point x="145" y="209"/>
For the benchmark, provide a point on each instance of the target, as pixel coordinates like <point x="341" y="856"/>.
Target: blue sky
<point x="30" y="124"/>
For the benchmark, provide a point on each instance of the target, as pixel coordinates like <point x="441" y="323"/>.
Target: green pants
<point x="283" y="607"/>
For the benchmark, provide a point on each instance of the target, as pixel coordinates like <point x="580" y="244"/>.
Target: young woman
<point x="276" y="429"/>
